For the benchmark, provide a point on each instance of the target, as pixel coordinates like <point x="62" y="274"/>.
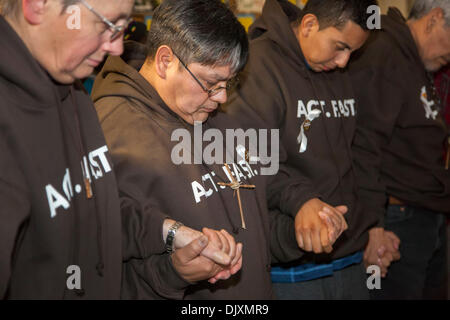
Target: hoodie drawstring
<point x="100" y="264"/>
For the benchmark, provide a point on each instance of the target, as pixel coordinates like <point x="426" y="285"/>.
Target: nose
<point x="220" y="97"/>
<point x="114" y="48"/>
<point x="342" y="59"/>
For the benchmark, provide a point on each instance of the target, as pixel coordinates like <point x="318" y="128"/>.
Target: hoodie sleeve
<point x="380" y="103"/>
<point x="283" y="244"/>
<point x="154" y="277"/>
<point x="14" y="211"/>
<point x="259" y="103"/>
<point x="142" y="220"/>
<point x="142" y="226"/>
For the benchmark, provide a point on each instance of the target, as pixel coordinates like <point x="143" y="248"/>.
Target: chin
<point x="433" y="67"/>
<point x="63" y="78"/>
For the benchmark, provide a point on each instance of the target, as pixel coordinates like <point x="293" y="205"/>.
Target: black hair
<point x="201" y="31"/>
<point x="336" y="13"/>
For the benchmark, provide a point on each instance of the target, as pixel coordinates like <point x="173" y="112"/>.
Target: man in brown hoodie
<point x="296" y="81"/>
<point x="398" y="145"/>
<point x="60" y="223"/>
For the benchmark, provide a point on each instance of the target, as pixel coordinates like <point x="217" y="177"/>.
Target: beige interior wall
<point x="403" y="5"/>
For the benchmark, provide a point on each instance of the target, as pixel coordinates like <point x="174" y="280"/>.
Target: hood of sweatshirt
<point x="395" y="25"/>
<point x="29" y="77"/>
<point x="275" y="24"/>
<point x="118" y="79"/>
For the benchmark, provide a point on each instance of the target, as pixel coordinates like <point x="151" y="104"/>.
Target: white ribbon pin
<point x="427" y="104"/>
<point x="302" y="139"/>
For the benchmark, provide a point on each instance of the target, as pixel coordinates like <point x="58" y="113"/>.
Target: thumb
<point x="342" y="209"/>
<point x="394" y="239"/>
<point x="192" y="250"/>
<point x="381" y="251"/>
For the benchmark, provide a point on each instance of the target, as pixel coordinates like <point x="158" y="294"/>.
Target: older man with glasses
<point x="187" y="69"/>
<point x="60" y="219"/>
<point x="401" y="131"/>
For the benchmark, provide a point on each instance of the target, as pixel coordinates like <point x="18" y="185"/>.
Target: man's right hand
<point x="318" y="225"/>
<point x="382" y="249"/>
<point x="221" y="248"/>
<point x="189" y="263"/>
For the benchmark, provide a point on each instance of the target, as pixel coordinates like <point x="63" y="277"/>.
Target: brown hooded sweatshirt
<point x="400" y="129"/>
<point x="138" y="126"/>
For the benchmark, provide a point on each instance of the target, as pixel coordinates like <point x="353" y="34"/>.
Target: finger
<point x="385" y="262"/>
<point x="212" y="280"/>
<point x="216" y="278"/>
<point x="388" y="256"/>
<point x="236" y="267"/>
<point x="223" y="239"/>
<point x="238" y="255"/>
<point x="299" y="237"/>
<point x="342" y="209"/>
<point x="393" y="237"/>
<point x="328" y="249"/>
<point x="337" y="218"/>
<point x="223" y="275"/>
<point x="383" y="269"/>
<point x="331" y="226"/>
<point x="371" y="259"/>
<point x="316" y="243"/>
<point x="345" y="224"/>
<point x="213" y="237"/>
<point x="192" y="250"/>
<point x="324" y="240"/>
<point x="216" y="255"/>
<point x="396" y="255"/>
<point x="232" y="243"/>
<point x="381" y="251"/>
<point x="306" y="235"/>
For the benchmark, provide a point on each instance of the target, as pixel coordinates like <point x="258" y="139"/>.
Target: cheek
<point x="322" y="52"/>
<point x="189" y="98"/>
<point x="76" y="52"/>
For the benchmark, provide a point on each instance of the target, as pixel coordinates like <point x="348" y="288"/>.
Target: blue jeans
<point x="345" y="284"/>
<point x="421" y="273"/>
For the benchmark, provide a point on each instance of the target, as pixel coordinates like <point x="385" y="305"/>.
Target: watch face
<point x="171" y="236"/>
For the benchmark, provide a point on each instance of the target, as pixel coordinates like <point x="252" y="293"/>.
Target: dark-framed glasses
<point x="214" y="91"/>
<point x="116" y="30"/>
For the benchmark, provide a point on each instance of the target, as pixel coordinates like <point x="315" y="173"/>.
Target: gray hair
<point x="202" y="31"/>
<point x="423" y="7"/>
<point x="8" y="7"/>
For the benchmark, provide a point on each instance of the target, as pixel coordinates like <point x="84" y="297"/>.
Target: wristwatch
<point x="170" y="245"/>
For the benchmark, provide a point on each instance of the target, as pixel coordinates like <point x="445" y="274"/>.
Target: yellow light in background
<point x="246" y="20"/>
<point x="303" y="2"/>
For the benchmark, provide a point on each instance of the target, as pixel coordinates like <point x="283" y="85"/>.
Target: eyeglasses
<point x="116" y="30"/>
<point x="211" y="92"/>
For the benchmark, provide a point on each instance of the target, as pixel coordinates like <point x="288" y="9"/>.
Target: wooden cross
<point x="235" y="185"/>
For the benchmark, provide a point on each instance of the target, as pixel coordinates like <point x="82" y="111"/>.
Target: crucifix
<point x="235" y="185"/>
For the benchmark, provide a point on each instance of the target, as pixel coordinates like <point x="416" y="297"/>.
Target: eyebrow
<point x="123" y="16"/>
<point x="345" y="45"/>
<point x="216" y="77"/>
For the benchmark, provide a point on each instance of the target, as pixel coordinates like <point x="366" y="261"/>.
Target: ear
<point x="33" y="11"/>
<point x="434" y="18"/>
<point x="164" y="59"/>
<point x="309" y="25"/>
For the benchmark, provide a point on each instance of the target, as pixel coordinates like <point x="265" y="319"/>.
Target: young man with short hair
<point x="296" y="81"/>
